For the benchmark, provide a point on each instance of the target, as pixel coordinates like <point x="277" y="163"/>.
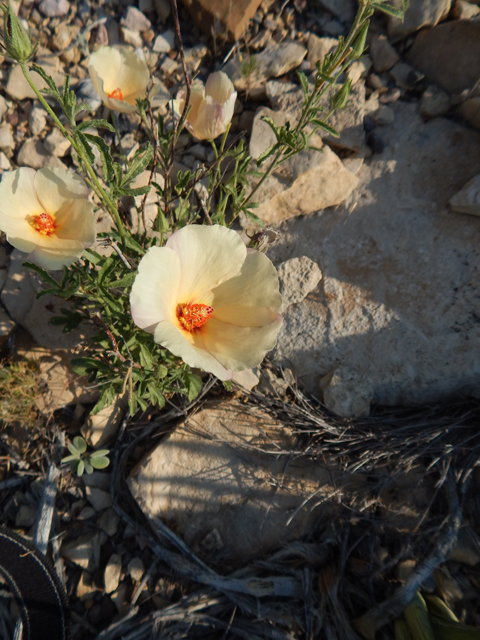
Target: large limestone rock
<point x="309" y="181"/>
<point x="398" y="300"/>
<point x="225" y="499"/>
<point x="231" y="18"/>
<point x="421" y="13"/>
<point x="449" y="54"/>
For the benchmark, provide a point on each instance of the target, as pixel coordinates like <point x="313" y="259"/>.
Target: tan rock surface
<point x="231" y="17"/>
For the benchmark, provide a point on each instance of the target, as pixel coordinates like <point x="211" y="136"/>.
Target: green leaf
<point x="99" y="124"/>
<point x="162" y="371"/>
<point x="99" y="463"/>
<point x="53" y="89"/>
<point x="139" y="164"/>
<point x="107" y="160"/>
<point x="46" y="277"/>
<point x="253" y="217"/>
<point x="304" y="82"/>
<point x="107" y="267"/>
<point x="267" y="153"/>
<point x="386" y="8"/>
<point x="88" y="466"/>
<point x="92" y="256"/>
<point x="156" y="396"/>
<point x="80" y="444"/>
<point x="146" y="358"/>
<point x="73" y="450"/>
<point x="105" y="400"/>
<point x="69" y="459"/>
<point x="81" y="106"/>
<point x="125" y="282"/>
<point x="86" y="147"/>
<point x="84" y="366"/>
<point x="139" y="191"/>
<point x="99" y="453"/>
<point x="80" y="468"/>
<point x="161" y="223"/>
<point x="194" y="385"/>
<point x="323" y="125"/>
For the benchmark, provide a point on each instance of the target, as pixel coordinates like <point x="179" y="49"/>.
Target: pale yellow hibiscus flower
<point x="211" y="106"/>
<point x="208" y="300"/>
<point x="46" y="213"/>
<point x="119" y="76"/>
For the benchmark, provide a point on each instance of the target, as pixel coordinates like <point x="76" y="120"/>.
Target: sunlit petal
<point x="55" y="186"/>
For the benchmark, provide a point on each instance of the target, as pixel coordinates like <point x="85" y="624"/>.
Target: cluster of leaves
<point x="81" y="460"/>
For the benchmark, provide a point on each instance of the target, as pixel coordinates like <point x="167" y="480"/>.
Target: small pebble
<point x="392" y="95"/>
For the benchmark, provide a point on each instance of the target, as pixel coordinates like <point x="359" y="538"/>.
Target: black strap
<point x="37" y="589"/>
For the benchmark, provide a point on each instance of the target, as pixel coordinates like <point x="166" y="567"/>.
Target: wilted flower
<point x="119" y="77"/>
<point x="209" y="300"/>
<point x="46" y="213"/>
<point x="211" y="106"/>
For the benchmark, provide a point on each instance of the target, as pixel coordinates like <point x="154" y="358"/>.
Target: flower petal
<point x="238" y="348"/>
<point x="106" y="62"/>
<point x="55" y="259"/>
<point x="76" y="221"/>
<point x="54" y="186"/>
<point x="211" y="120"/>
<point x="97" y="83"/>
<point x="193" y="354"/>
<point x="154" y="293"/>
<point x="219" y="86"/>
<point x="133" y="75"/>
<point x="17" y="194"/>
<point x="208" y="256"/>
<point x="252" y="298"/>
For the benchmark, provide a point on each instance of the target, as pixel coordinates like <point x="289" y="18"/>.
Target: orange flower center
<point x="193" y="316"/>
<point x="43" y="223"/>
<point x="117" y="94"/>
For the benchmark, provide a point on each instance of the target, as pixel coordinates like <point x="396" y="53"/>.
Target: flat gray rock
<point x="398" y="300"/>
<point x="211" y="483"/>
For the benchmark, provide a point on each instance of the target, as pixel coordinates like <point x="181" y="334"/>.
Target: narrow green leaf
<point x="86" y="147"/>
<point x="125" y="282"/>
<point x="146" y="358"/>
<point x="92" y="256"/>
<point x="139" y="191"/>
<point x="138" y="165"/>
<point x="106" y="156"/>
<point x="80" y="468"/>
<point x="99" y="453"/>
<point x="194" y="385"/>
<point x="46" y="277"/>
<point x="326" y="127"/>
<point x="99" y="124"/>
<point x="49" y="80"/>
<point x="386" y="8"/>
<point x="304" y="82"/>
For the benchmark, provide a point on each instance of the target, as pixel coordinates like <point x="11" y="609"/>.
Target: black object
<point x="38" y="591"/>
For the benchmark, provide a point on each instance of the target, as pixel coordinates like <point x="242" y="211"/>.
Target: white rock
<point x="434" y="102"/>
<point x="3" y="107"/>
<point x="56" y="144"/>
<point x="400" y="273"/>
<point x="37" y="120"/>
<point x="203" y="477"/>
<point x="54" y="8"/>
<point x="385" y="115"/>
<point x="468" y="199"/>
<point x="103" y="426"/>
<point x="347" y="393"/>
<point x="134" y="20"/>
<point x="359" y="69"/>
<point x="18" y="295"/>
<point x="421" y="13"/>
<point x="6" y="323"/>
<point x="113" y="571"/>
<point x="319" y="47"/>
<point x="5" y="164"/>
<point x="6" y="137"/>
<point x="470" y="110"/>
<point x="109" y="521"/>
<point x="383" y="55"/>
<point x="84" y="551"/>
<point x="164" y="42"/>
<point x="98" y="498"/>
<point x="298" y="277"/>
<point x="136" y="569"/>
<point x="33" y="154"/>
<point x="169" y="66"/>
<point x="464" y="10"/>
<point x="132" y="37"/>
<point x="274" y="61"/>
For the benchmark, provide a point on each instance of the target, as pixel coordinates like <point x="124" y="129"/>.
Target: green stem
<point x="93" y="180"/>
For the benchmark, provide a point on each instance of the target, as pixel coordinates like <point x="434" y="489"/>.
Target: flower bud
<point x="339" y="100"/>
<point x="16" y="40"/>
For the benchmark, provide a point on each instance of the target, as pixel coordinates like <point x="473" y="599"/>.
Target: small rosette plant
<point x="81" y="460"/>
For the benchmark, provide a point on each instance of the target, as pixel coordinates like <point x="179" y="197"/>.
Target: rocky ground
<point x="290" y="510"/>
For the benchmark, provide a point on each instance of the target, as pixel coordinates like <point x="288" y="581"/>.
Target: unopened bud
<point x="18" y="45"/>
<point x="339" y="100"/>
<point x="359" y="44"/>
